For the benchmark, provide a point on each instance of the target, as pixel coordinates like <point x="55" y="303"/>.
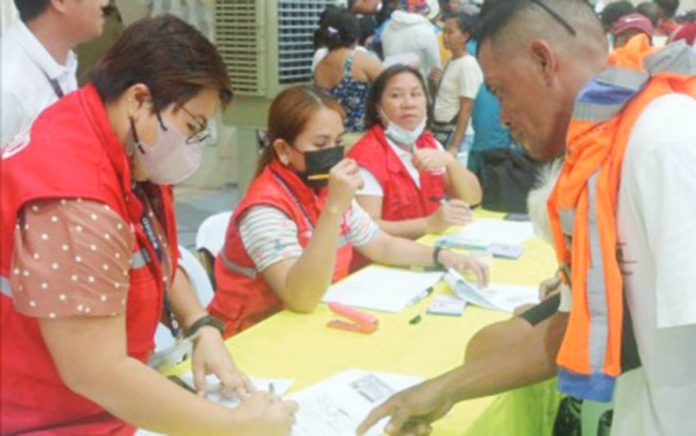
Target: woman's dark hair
<point x="380" y="84"/>
<point x="171" y="57"/>
<point x="339" y="28"/>
<point x="288" y="115"/>
<point x="30" y="9"/>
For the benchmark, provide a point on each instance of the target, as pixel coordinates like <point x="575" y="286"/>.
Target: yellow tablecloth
<point x="301" y="347"/>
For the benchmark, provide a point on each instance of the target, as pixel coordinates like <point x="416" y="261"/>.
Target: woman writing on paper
<point x="406" y="172"/>
<point x="89" y="251"/>
<point x="293" y="233"/>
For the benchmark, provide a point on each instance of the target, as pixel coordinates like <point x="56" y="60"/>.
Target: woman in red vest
<point x="408" y="175"/>
<point x="88" y="254"/>
<point x="293" y="233"/>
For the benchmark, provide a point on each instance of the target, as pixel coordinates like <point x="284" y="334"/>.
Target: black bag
<point x="506" y="176"/>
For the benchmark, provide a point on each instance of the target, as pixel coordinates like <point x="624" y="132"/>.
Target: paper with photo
<point x="382" y="288"/>
<point x="337" y="405"/>
<point x="497" y="296"/>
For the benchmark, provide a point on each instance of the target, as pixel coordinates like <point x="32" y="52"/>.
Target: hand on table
<point x="210" y="356"/>
<point x="466" y="262"/>
<point x="410" y="411"/>
<point x="265" y="414"/>
<point x="451" y="213"/>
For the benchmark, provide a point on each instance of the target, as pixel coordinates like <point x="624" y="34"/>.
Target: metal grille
<point x="297" y="22"/>
<point x="240" y="43"/>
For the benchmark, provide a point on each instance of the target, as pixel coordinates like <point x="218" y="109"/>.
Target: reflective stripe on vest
<point x="5" y="287"/>
<point x="677" y="58"/>
<point x="596" y="292"/>
<point x="567" y="217"/>
<point x="234" y="267"/>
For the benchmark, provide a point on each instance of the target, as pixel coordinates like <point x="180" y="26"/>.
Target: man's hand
<point x="264" y="414"/>
<point x="210" y="356"/>
<point x="410" y="411"/>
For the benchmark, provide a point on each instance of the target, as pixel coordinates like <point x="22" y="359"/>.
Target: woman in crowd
<point x="456" y="88"/>
<point x="294" y="231"/>
<point x="407" y="173"/>
<point x="89" y="251"/>
<point x="346" y="72"/>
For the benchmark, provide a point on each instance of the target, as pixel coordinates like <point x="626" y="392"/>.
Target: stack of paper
<point x="483" y="233"/>
<point x="496" y="296"/>
<point x="381" y="288"/>
<point x="337" y="405"/>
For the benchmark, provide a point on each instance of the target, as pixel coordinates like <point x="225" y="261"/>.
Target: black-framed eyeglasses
<point x="556" y="17"/>
<point x="202" y="133"/>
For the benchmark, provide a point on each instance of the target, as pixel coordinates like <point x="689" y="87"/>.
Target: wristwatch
<point x="436" y="258"/>
<point x="207" y="320"/>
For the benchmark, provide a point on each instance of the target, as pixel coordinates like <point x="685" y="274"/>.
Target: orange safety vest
<point x="242" y="296"/>
<point x="583" y="208"/>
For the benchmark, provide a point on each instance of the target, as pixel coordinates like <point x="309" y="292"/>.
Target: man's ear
<point x="544" y="60"/>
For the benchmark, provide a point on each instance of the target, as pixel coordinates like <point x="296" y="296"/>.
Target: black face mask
<point x="319" y="163"/>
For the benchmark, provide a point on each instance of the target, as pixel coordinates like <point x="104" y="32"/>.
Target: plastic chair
<point x="210" y="239"/>
<point x="201" y="284"/>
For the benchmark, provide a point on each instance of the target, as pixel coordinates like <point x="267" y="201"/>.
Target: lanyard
<point x="55" y="85"/>
<point x="157" y="246"/>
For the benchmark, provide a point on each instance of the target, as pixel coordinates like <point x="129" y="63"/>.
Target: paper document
<point x="496" y="296"/>
<point x="382" y="288"/>
<point x="485" y="232"/>
<point x="337" y="405"/>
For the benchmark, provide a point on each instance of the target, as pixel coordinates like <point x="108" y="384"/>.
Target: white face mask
<point x="405" y="136"/>
<point x="172" y="158"/>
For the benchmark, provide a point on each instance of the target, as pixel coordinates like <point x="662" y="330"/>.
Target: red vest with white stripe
<point x="71" y="152"/>
<point x="243" y="297"/>
<point x="403" y="199"/>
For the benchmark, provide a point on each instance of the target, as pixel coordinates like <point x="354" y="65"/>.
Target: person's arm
<point x="486" y="373"/>
<point x="365" y="7"/>
<point x="302" y="282"/>
<point x="135" y="393"/>
<point x="465" y="106"/>
<point x="210" y="356"/>
<point x="390" y="250"/>
<point x="372" y="66"/>
<point x="450" y="213"/>
<point x="459" y="181"/>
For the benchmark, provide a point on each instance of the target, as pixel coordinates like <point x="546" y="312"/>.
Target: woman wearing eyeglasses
<point x="88" y="259"/>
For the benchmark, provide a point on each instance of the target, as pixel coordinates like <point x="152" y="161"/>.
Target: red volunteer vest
<point x="71" y="152"/>
<point x="403" y="200"/>
<point x="243" y="297"/>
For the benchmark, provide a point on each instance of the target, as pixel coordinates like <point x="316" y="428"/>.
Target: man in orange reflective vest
<point x="622" y="215"/>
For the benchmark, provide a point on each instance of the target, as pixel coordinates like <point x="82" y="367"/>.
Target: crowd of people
<point x="387" y="144"/>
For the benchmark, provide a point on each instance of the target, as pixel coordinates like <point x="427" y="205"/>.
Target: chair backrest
<point x="201" y="284"/>
<point x="211" y="234"/>
<point x="210" y="239"/>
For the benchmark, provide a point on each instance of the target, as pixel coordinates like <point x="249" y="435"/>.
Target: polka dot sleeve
<point x="71" y="258"/>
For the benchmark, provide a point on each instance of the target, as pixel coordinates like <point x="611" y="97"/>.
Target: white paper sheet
<point x="488" y="231"/>
<point x="496" y="296"/>
<point x="381" y="288"/>
<point x="337" y="405"/>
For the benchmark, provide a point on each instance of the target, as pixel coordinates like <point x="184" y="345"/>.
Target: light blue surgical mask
<point x="404" y="136"/>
